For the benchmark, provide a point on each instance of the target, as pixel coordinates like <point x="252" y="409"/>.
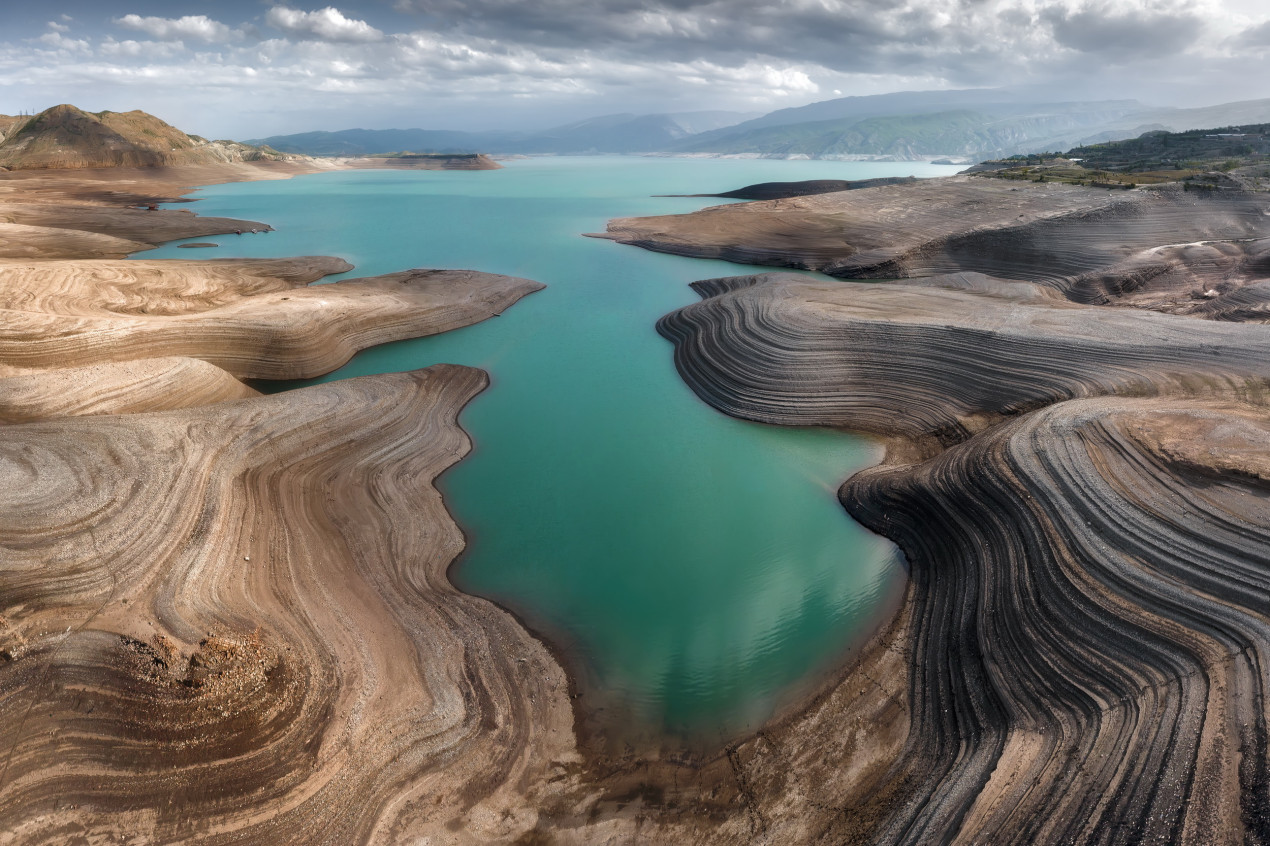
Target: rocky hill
<point x="67" y="137"/>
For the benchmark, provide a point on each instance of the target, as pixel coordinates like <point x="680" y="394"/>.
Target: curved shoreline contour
<point x="1083" y="496"/>
<point x="226" y="616"/>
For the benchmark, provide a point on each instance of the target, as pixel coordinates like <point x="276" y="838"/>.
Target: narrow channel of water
<point x="697" y="570"/>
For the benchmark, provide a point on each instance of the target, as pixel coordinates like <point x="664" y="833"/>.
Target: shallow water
<point x="696" y="570"/>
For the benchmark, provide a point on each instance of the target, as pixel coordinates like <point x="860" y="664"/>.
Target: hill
<point x="1229" y="157"/>
<point x="67" y="137"/>
<point x="977" y="123"/>
<point x="619" y="133"/>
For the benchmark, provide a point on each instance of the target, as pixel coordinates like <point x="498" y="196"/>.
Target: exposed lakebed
<point x="696" y="570"/>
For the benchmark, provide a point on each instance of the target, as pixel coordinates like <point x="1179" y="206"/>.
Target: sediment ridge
<point x="225" y="616"/>
<point x="1082" y="495"/>
<point x="237" y="315"/>
<point x="232" y="623"/>
<point x="1161" y="247"/>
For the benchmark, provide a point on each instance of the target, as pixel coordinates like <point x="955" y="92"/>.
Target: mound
<point x="67" y="137"/>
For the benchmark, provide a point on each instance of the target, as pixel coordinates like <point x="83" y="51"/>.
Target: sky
<point x="252" y="68"/>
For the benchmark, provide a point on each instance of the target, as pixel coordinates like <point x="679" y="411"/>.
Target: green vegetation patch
<point x="1197" y="157"/>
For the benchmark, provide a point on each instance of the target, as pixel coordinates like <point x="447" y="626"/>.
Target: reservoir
<point x="695" y="572"/>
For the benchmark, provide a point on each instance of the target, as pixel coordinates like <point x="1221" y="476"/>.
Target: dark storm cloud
<point x="870" y="36"/>
<point x="1109" y="31"/>
<point x="472" y="63"/>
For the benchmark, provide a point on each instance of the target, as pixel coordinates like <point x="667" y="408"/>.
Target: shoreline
<point x="1033" y="423"/>
<point x="857" y="754"/>
<point x="598" y="782"/>
<point x="18" y="640"/>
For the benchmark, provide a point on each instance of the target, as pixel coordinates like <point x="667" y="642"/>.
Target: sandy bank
<point x="229" y="617"/>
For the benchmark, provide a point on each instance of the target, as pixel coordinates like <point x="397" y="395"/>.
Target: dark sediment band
<point x="925" y="361"/>
<point x="1086" y="519"/>
<point x="1090" y="663"/>
<point x="1162" y="248"/>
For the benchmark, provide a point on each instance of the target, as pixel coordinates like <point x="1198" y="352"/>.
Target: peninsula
<point x="1071" y="381"/>
<point x="226" y="614"/>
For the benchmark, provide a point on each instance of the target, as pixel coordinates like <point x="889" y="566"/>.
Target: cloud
<point x="469" y="62"/>
<point x="1119" y="30"/>
<point x="1255" y="36"/>
<point x="327" y="24"/>
<point x="57" y="27"/>
<point x="60" y="42"/>
<point x="196" y="27"/>
<point x="970" y="38"/>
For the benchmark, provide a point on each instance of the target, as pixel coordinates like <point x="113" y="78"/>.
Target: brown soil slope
<point x="255" y="319"/>
<point x="1162" y="247"/>
<point x="1083" y="495"/>
<point x="229" y="621"/>
<point x="66" y="137"/>
<point x="231" y="624"/>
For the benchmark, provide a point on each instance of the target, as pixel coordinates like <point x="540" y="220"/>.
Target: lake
<point x="696" y="572"/>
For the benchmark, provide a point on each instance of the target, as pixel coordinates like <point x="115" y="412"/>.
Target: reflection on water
<point x="696" y="568"/>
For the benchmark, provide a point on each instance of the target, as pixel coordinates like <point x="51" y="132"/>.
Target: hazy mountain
<point x="915" y="124"/>
<point x="990" y="100"/>
<point x="367" y="142"/>
<point x="67" y="137"/>
<point x="619" y="133"/>
<point x="973" y="123"/>
<point x="959" y="133"/>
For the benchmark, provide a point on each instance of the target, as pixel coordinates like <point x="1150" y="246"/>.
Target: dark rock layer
<point x="1162" y="248"/>
<point x="1086" y="517"/>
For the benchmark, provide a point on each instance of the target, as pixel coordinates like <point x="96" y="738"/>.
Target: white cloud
<point x="198" y="27"/>
<point x="60" y="42"/>
<point x="475" y="62"/>
<point x="327" y="24"/>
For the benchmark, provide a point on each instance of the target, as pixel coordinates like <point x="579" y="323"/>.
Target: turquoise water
<point x="695" y="570"/>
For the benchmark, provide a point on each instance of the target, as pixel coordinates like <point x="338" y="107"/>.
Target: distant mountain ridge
<point x="67" y="137"/>
<point x="618" y="133"/>
<point x="973" y="123"/>
<point x="969" y="124"/>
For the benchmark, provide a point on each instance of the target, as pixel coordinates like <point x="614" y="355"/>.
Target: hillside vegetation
<point x="1230" y="157"/>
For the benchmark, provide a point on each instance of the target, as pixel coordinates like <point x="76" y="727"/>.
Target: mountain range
<point x="619" y="133"/>
<point x="969" y="124"/>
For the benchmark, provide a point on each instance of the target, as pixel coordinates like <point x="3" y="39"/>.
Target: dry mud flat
<point x="216" y="630"/>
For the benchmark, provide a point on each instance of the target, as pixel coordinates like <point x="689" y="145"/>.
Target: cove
<point x="695" y="571"/>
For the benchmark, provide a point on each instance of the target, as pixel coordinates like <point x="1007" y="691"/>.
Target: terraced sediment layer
<point x="227" y="619"/>
<point x="232" y="624"/>
<point x="1161" y="247"/>
<point x="1083" y="495"/>
<point x="1091" y="582"/>
<point x="925" y="361"/>
<point x="255" y="319"/>
<point x="150" y="384"/>
<point x="103" y="212"/>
